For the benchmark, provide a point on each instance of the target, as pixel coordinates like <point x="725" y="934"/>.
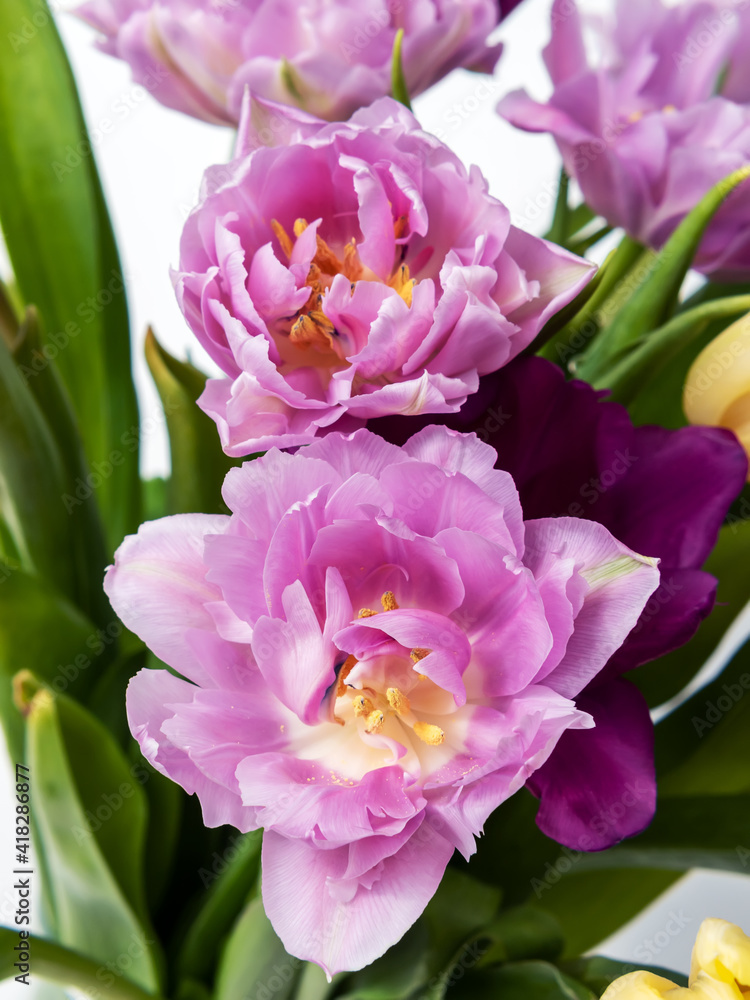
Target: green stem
<point x="66" y="968"/>
<point x="626" y="378"/>
<point x="398" y="82"/>
<point x="558" y="231"/>
<point x="577" y="331"/>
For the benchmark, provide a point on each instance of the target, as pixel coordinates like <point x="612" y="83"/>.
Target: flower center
<point x="371" y="703"/>
<point x="310" y="329"/>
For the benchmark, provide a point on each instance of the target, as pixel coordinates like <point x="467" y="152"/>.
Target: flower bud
<point x="717" y="389"/>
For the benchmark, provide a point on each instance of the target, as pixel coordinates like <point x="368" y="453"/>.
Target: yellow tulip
<point x="717" y="390"/>
<point x="719" y="970"/>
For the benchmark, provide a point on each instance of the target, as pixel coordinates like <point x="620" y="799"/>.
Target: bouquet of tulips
<point x="389" y="691"/>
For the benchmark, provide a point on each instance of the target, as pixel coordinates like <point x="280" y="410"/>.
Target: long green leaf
<point x="654" y="299"/>
<point x="67" y="968"/>
<point x="33" y="481"/>
<point x="92" y="914"/>
<point x="701" y="831"/>
<point x="255" y="959"/>
<point x="625" y="379"/>
<point x="61" y="247"/>
<point x="39" y="628"/>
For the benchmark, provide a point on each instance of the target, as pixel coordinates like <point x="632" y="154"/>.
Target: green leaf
<point x="396" y="974"/>
<point x="80" y="501"/>
<point x="523" y="932"/>
<point x="198" y="463"/>
<point x="576" y="326"/>
<point x="398" y="82"/>
<point x="41" y="629"/>
<point x="91" y="911"/>
<point x="254" y="960"/>
<point x="60" y="243"/>
<point x="654" y="354"/>
<point x="703" y="747"/>
<point x="521" y="981"/>
<point x="32" y="483"/>
<point x="598" y="972"/>
<point x="687" y="832"/>
<point x="227" y="895"/>
<point x="654" y="300"/>
<point x="459" y="908"/>
<point x="68" y="968"/>
<point x="313" y="984"/>
<point x="662" y="679"/>
<point x="592" y="905"/>
<point x="558" y="231"/>
<point x="165" y="810"/>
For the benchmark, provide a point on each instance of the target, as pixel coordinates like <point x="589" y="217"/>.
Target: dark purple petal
<point x="599" y="786"/>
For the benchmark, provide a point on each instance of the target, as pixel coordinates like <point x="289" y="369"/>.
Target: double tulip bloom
<point x="375" y="650"/>
<point x="656" y="122"/>
<point x="355" y="270"/>
<point x="328" y="57"/>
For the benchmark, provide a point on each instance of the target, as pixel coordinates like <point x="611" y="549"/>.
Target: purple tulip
<point x="377" y="650"/>
<point x="641" y="128"/>
<point x="329" y="57"/>
<point x="664" y="493"/>
<point x="354" y="270"/>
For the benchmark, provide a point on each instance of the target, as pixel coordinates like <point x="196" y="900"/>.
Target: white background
<point x="151" y="164"/>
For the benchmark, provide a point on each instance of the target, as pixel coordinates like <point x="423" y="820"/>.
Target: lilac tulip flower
<point x="655" y="120"/>
<point x="375" y="650"/>
<point x="328" y="57"/>
<point x="341" y="272"/>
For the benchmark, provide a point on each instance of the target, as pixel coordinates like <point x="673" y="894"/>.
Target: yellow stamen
<point x="344" y="673"/>
<point x="282" y="236"/>
<point x="374" y="722"/>
<point x="403" y="284"/>
<point x="366" y="613"/>
<point x="362" y="705"/>
<point x="398" y="701"/>
<point x="418" y="654"/>
<point x="389" y="601"/>
<point x="635" y="116"/>
<point x="300" y="225"/>
<point x="669" y="108"/>
<point x="313" y="329"/>
<point x="432" y="735"/>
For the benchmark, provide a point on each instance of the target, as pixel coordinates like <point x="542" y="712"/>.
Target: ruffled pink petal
<point x="152" y="698"/>
<point x="158" y="587"/>
<point x="620" y="583"/>
<point x="301" y="885"/>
